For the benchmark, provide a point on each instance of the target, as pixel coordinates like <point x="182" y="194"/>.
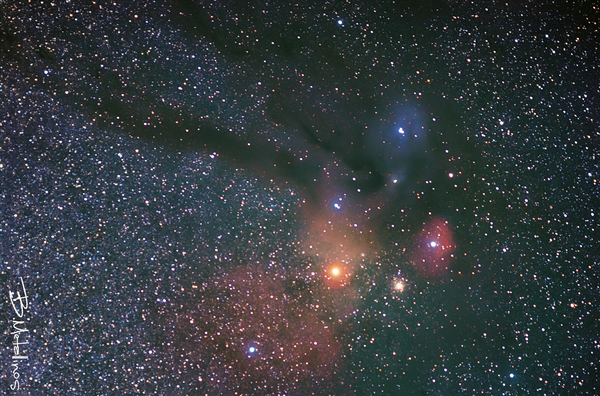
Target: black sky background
<point x="315" y="119"/>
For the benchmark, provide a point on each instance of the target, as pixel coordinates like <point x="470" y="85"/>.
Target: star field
<point x="208" y="198"/>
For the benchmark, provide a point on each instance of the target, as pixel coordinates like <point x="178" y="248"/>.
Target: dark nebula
<point x="322" y="198"/>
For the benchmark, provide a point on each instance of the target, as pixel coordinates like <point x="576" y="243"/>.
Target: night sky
<point x="312" y="198"/>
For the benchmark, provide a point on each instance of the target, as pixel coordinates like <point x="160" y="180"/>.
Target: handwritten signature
<point x="20" y="304"/>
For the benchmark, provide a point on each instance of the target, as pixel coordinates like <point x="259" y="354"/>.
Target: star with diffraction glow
<point x="399" y="286"/>
<point x="336" y="275"/>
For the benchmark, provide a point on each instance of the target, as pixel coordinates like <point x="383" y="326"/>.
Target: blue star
<point x="337" y="204"/>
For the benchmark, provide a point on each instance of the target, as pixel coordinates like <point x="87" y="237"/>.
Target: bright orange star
<point x="336" y="275"/>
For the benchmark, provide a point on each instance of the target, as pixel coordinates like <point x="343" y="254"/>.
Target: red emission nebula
<point x="252" y="328"/>
<point x="434" y="249"/>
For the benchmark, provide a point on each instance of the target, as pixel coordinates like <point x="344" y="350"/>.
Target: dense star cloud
<point x="300" y="198"/>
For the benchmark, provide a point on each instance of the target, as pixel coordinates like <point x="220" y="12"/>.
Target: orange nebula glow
<point x="336" y="275"/>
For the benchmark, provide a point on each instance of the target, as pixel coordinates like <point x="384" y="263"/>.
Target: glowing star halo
<point x="434" y="250"/>
<point x="399" y="286"/>
<point x="336" y="275"/>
